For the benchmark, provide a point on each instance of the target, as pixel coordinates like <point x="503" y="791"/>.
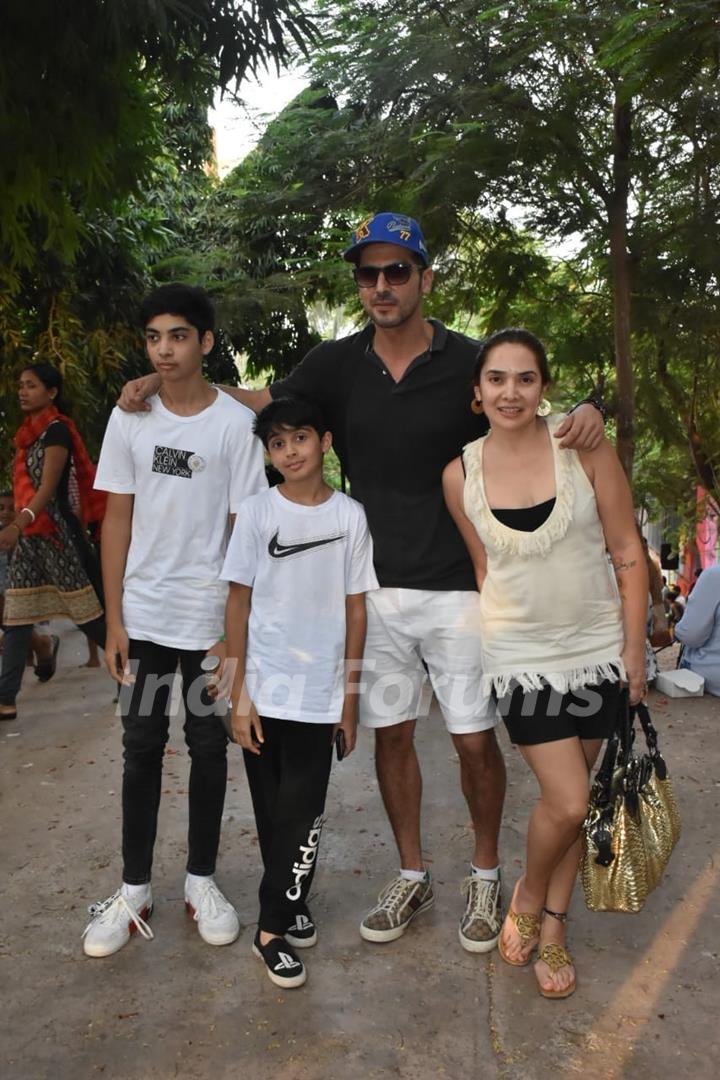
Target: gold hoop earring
<point x="544" y="407"/>
<point x="477" y="406"/>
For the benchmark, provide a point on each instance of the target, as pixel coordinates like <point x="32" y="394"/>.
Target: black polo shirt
<point x="394" y="440"/>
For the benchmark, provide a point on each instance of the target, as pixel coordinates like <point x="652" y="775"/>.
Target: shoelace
<point x="481" y="896"/>
<point x="395" y="894"/>
<point x="115" y="908"/>
<point x="210" y="901"/>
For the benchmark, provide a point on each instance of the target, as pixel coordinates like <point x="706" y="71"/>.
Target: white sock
<point x="486" y="875"/>
<point x="194" y="881"/>
<point x="413" y="875"/>
<point x="135" y="892"/>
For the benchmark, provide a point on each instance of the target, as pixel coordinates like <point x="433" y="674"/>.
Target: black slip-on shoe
<point x="302" y="932"/>
<point x="283" y="966"/>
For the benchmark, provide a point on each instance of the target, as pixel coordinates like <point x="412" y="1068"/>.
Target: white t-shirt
<point x="301" y="561"/>
<point x="187" y="473"/>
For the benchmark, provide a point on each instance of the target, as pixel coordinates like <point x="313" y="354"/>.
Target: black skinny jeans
<point x="146" y="725"/>
<point x="16" y="641"/>
<point x="288" y="782"/>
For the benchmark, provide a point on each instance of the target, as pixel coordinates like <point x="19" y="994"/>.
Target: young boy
<point x="299" y="563"/>
<point x="175" y="476"/>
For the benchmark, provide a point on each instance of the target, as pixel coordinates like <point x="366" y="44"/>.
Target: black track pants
<point x="288" y="782"/>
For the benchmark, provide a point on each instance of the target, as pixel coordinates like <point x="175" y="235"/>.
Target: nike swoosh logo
<point x="282" y="551"/>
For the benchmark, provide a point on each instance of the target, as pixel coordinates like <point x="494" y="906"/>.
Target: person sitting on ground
<point x="52" y="572"/>
<point x="699" y="630"/>
<point x="175" y="478"/>
<point x="556" y="641"/>
<point x="300" y="561"/>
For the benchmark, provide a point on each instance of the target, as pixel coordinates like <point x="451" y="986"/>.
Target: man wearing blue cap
<point x="398" y="398"/>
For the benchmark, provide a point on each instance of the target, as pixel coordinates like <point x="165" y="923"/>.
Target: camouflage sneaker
<point x="398" y="904"/>
<point x="480" y="925"/>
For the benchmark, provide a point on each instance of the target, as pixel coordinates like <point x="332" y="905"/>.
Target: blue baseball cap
<point x="388" y="229"/>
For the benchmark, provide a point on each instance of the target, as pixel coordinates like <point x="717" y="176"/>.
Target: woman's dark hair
<point x="189" y="301"/>
<point x="515" y="336"/>
<point x="51" y="379"/>
<point x="288" y="413"/>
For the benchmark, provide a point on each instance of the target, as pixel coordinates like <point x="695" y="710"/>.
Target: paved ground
<point x="648" y="997"/>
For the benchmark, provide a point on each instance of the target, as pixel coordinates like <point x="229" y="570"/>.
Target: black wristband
<point x="597" y="402"/>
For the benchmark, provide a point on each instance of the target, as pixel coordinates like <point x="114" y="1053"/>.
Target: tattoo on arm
<point x="621" y="565"/>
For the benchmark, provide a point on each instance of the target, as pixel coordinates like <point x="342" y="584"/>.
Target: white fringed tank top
<point x="550" y="606"/>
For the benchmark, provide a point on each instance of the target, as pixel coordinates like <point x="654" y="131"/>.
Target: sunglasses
<point x="397" y="273"/>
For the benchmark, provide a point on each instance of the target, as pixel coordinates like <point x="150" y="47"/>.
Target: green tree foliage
<point x="79" y="86"/>
<point x="80" y="313"/>
<point x="670" y="43"/>
<point x="266" y="241"/>
<point x="512" y="131"/>
<point x="103" y="117"/>
<point x="497" y="122"/>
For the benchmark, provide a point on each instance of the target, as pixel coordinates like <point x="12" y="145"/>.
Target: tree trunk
<point x="620" y="277"/>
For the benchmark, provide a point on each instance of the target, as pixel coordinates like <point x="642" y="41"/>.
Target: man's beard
<point x="394" y="316"/>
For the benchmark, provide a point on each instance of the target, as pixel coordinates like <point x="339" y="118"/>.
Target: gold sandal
<point x="528" y="927"/>
<point x="556" y="957"/>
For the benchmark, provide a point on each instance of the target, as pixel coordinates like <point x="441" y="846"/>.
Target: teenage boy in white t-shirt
<point x="176" y="476"/>
<point x="299" y="564"/>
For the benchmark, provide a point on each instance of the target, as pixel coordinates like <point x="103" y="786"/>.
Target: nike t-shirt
<point x="301" y="561"/>
<point x="187" y="474"/>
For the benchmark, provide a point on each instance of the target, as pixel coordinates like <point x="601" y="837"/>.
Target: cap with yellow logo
<point x="396" y="229"/>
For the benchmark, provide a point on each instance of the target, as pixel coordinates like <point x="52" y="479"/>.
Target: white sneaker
<point x="217" y="919"/>
<point x="115" y="920"/>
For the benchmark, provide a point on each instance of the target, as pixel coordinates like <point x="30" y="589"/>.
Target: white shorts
<point x="408" y="626"/>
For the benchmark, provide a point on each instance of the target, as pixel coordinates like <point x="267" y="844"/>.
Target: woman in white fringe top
<point x="561" y="631"/>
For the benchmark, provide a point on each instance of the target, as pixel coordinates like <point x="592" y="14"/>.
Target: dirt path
<point x="647" y="1001"/>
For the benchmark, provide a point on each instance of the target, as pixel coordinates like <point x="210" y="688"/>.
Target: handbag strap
<point x="626" y="725"/>
<point x="643" y="713"/>
<point x="651" y="738"/>
<point x="604" y="775"/>
<point x="617" y="752"/>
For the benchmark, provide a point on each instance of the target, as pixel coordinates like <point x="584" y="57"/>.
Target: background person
<point x="43" y="645"/>
<point x="52" y="573"/>
<point x="677" y="605"/>
<point x="556" y="639"/>
<point x="397" y="397"/>
<point x="659" y="635"/>
<point x="93" y="660"/>
<point x="699" y="629"/>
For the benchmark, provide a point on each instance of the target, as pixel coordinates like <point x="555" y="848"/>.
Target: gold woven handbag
<point x="633" y="822"/>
